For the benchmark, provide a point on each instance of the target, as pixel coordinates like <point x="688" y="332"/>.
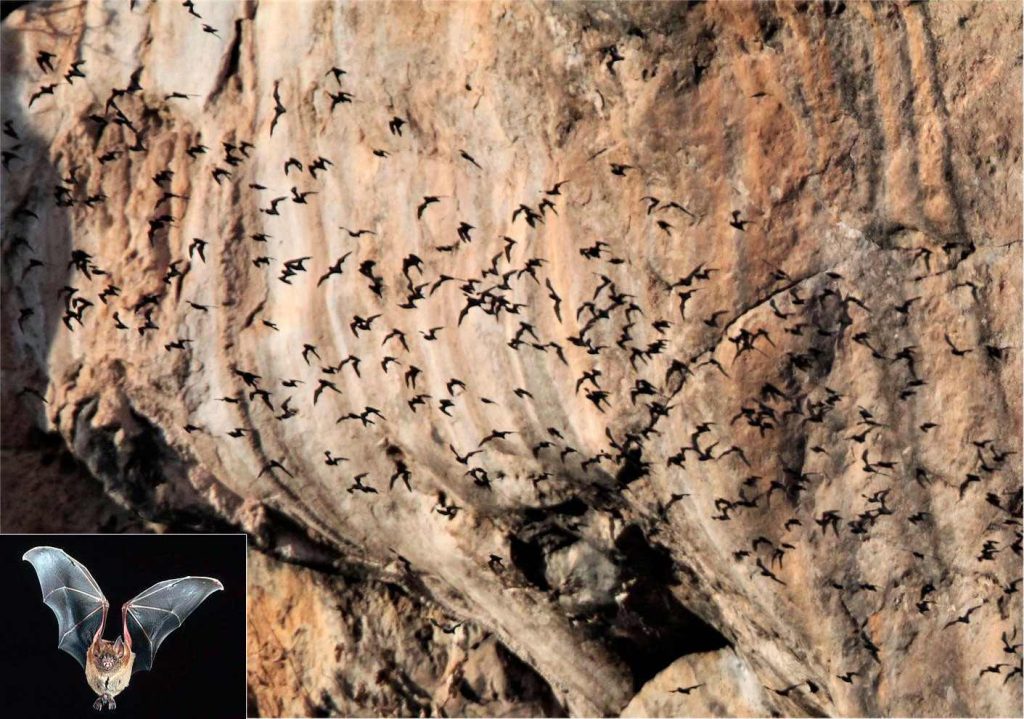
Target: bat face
<point x="108" y="656"/>
<point x="81" y="610"/>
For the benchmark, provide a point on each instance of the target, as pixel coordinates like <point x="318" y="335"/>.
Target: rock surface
<point x="45" y="490"/>
<point x="779" y="416"/>
<point x="330" y="647"/>
<point x="706" y="684"/>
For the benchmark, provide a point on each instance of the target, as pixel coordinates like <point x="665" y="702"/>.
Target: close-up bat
<point x="81" y="608"/>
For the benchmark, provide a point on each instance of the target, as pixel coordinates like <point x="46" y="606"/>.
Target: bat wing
<point x="73" y="595"/>
<point x="161" y="609"/>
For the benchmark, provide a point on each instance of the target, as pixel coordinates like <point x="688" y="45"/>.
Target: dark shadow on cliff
<point x="654" y="628"/>
<point x="35" y="229"/>
<point x="646" y="627"/>
<point x="40" y="201"/>
<point x="6" y="8"/>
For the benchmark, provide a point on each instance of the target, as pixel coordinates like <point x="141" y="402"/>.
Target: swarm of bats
<point x="146" y="620"/>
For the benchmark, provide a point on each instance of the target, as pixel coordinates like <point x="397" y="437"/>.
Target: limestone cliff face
<point x="336" y="647"/>
<point x="774" y="422"/>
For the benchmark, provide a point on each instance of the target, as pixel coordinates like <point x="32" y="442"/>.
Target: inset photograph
<point x="124" y="626"/>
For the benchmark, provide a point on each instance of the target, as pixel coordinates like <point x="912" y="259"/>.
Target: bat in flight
<point x="75" y="597"/>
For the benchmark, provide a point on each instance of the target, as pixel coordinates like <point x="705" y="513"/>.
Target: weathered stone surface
<point x="46" y="490"/>
<point x="331" y="647"/>
<point x="849" y="358"/>
<point x="719" y="684"/>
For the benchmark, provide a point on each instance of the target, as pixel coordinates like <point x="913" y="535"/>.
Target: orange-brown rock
<point x="352" y="648"/>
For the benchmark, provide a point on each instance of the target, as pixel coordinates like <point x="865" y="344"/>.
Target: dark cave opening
<point x="528" y="557"/>
<point x="653" y="628"/>
<point x="647" y="627"/>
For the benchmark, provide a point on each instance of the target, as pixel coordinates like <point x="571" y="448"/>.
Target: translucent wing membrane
<point x="73" y="595"/>
<point x="161" y="609"/>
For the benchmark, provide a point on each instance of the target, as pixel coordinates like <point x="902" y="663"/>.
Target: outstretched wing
<point x="73" y="595"/>
<point x="161" y="609"/>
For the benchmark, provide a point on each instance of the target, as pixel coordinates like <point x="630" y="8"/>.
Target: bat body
<point x="108" y="669"/>
<point x="81" y="609"/>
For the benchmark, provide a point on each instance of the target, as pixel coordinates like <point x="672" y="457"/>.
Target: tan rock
<point x="344" y="647"/>
<point x="719" y="683"/>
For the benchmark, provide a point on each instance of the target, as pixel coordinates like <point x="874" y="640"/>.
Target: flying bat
<point x="81" y="609"/>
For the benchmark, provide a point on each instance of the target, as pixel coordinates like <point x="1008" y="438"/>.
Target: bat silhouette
<point x="81" y="609"/>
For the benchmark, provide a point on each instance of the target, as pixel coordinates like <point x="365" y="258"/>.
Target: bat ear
<point x="119" y="647"/>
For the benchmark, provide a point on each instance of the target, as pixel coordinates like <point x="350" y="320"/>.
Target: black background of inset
<point x="199" y="670"/>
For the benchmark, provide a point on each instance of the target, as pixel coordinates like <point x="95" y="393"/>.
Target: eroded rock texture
<point x="710" y="342"/>
<point x="338" y="647"/>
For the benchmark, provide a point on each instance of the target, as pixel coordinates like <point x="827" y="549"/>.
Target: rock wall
<point x="335" y="647"/>
<point x="715" y="684"/>
<point x="643" y="330"/>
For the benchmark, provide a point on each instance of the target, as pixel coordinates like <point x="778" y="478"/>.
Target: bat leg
<point x="104" y="701"/>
